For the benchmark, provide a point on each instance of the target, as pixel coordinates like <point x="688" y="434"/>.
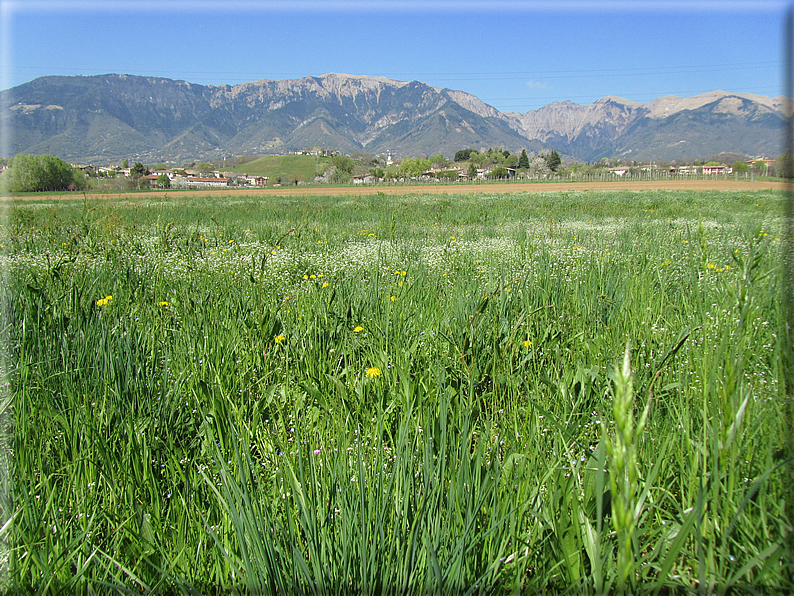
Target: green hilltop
<point x="288" y="168"/>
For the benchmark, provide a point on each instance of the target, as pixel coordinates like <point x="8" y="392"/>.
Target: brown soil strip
<point x="513" y="187"/>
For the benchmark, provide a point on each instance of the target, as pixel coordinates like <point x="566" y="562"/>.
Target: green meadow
<point x="567" y="392"/>
<point x="287" y="168"/>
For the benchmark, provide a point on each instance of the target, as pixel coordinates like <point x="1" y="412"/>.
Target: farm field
<point x="424" y="188"/>
<point x="456" y="392"/>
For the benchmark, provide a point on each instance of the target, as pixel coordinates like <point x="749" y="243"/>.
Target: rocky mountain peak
<point x="150" y="118"/>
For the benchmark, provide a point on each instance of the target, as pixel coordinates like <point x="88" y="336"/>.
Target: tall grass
<point x="569" y="392"/>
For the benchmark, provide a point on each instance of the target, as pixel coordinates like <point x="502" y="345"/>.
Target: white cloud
<point x="537" y="84"/>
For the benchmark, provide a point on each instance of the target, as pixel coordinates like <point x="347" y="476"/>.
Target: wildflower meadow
<point x="563" y="392"/>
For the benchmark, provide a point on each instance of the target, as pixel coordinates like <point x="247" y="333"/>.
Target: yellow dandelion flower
<point x="279" y="338"/>
<point x="358" y="329"/>
<point x="326" y="284"/>
<point x="373" y="372"/>
<point x="711" y="265"/>
<point x="527" y="344"/>
<point x="393" y="298"/>
<point x="312" y="276"/>
<point x="305" y="277"/>
<point x="102" y="302"/>
<point x="108" y="298"/>
<point x="163" y="303"/>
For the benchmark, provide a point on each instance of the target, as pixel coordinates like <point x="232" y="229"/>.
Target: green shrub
<point x="35" y="173"/>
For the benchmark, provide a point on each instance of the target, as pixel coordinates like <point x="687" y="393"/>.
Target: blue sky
<point x="513" y="54"/>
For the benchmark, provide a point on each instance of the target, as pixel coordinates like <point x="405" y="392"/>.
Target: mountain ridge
<point x="112" y="116"/>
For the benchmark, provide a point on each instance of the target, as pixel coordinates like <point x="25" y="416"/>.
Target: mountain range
<point x="105" y="118"/>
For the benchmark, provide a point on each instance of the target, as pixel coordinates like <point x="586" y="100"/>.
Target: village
<point x="386" y="169"/>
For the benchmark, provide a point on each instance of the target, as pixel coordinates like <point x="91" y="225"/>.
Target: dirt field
<point x="285" y="191"/>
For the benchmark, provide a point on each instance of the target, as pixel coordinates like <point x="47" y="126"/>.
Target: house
<point x="687" y="170"/>
<point x="107" y="171"/>
<point x="761" y="164"/>
<point x="152" y="179"/>
<point x="170" y="173"/>
<point x="256" y="180"/>
<point x="196" y="173"/>
<point x="716" y="170"/>
<point x="447" y="173"/>
<point x="198" y="182"/>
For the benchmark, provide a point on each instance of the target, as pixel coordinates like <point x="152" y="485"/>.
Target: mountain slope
<point x="114" y="116"/>
<point x="667" y="128"/>
<point x="109" y="117"/>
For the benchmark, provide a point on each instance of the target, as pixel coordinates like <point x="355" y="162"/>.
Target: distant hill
<point x="111" y="117"/>
<point x="288" y="168"/>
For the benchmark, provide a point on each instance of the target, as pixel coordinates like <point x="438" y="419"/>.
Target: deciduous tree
<point x="464" y="154"/>
<point x="413" y="167"/>
<point x="343" y="168"/>
<point x="784" y="166"/>
<point x="539" y="167"/>
<point x="500" y="172"/>
<point x="438" y="161"/>
<point x="34" y="173"/>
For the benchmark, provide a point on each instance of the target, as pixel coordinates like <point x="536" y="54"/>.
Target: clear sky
<point x="513" y="54"/>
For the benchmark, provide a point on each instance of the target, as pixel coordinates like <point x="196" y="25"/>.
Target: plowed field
<point x="696" y="185"/>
